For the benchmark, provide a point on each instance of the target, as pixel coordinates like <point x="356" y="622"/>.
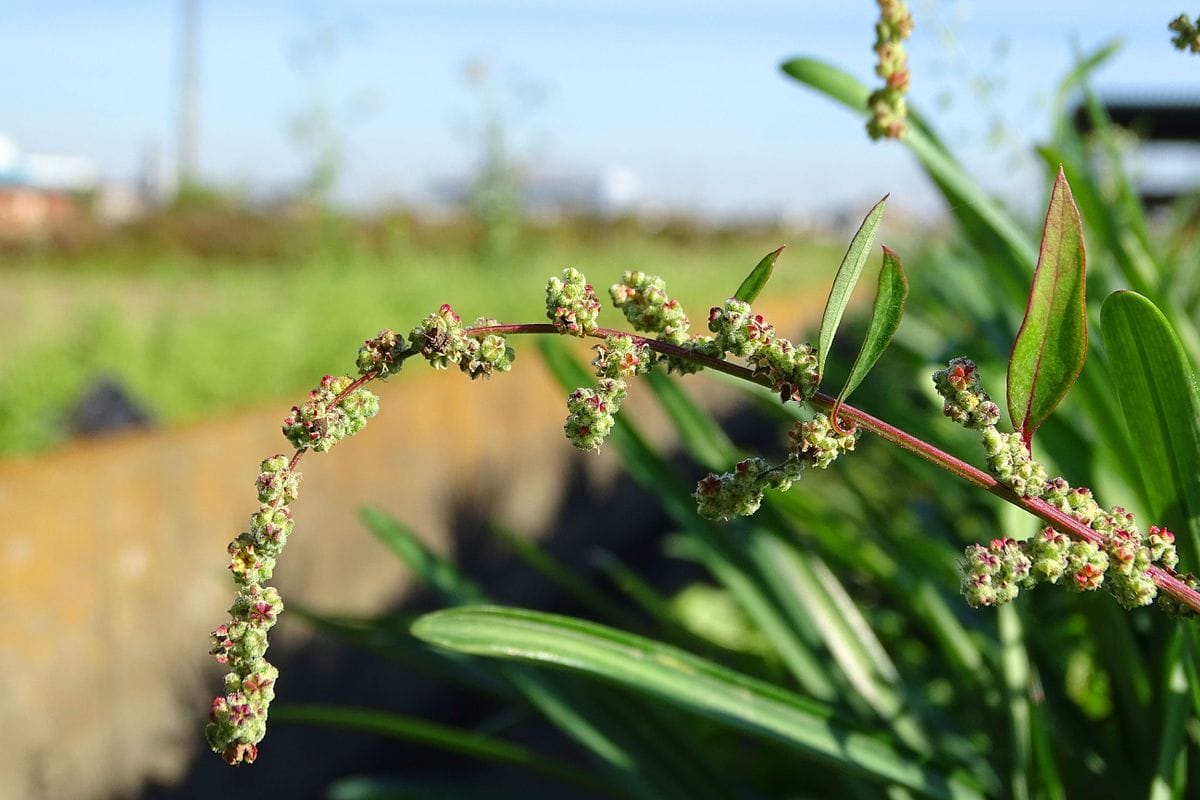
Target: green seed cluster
<point x="571" y="303"/>
<point x="1187" y="33"/>
<point x="326" y="417"/>
<point x="889" y="109"/>
<point x="382" y="356"/>
<point x="994" y="574"/>
<point x="238" y="718"/>
<point x="811" y="443"/>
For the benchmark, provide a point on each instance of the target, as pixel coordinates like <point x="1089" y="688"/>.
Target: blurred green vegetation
<point x="209" y="307"/>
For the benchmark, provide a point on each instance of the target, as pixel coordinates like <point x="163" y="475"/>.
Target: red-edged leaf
<point x="1051" y="346"/>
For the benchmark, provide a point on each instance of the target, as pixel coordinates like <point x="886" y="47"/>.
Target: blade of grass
<point x="699" y="434"/>
<point x="1170" y="772"/>
<point x="683" y="680"/>
<point x="435" y="571"/>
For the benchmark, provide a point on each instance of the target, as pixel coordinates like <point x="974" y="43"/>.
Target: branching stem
<point x="1165" y="579"/>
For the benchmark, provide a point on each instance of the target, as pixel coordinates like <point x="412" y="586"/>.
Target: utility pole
<point x="189" y="91"/>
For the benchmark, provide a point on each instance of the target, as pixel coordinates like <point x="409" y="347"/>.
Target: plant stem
<point x="1166" y="580"/>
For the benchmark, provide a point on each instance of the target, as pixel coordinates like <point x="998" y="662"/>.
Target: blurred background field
<point x="197" y="313"/>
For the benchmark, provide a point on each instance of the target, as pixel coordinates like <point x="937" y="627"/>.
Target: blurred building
<point x="43" y="194"/>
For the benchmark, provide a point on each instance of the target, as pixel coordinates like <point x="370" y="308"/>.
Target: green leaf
<point x="684" y="680"/>
<point x="758" y="277"/>
<point x="1051" y="345"/>
<point x="885" y="319"/>
<point x="1157" y="390"/>
<point x="438" y="573"/>
<point x="845" y="280"/>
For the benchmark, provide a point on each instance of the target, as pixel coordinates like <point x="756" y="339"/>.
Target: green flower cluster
<point x="648" y="308"/>
<point x="816" y="443"/>
<point x="811" y="443"/>
<point x="591" y="412"/>
<point x="740" y="493"/>
<point x="443" y="341"/>
<point x="966" y="401"/>
<point x="571" y="303"/>
<point x="383" y="356"/>
<point x="889" y="109"/>
<point x="238" y="718"/>
<point x="1120" y="561"/>
<point x="327" y="417"/>
<point x="995" y="574"/>
<point x="1011" y="463"/>
<point x="1187" y="33"/>
<point x="622" y="357"/>
<point x="790" y="369"/>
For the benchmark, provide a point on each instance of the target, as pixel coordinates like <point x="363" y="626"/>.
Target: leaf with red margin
<point x="1051" y="345"/>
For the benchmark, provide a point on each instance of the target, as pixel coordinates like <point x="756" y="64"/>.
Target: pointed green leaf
<point x="1051" y="345"/>
<point x="692" y="683"/>
<point x="758" y="277"/>
<point x="1157" y="390"/>
<point x="885" y="319"/>
<point x="845" y="280"/>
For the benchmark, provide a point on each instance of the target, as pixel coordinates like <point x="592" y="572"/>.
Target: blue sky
<point x="684" y="93"/>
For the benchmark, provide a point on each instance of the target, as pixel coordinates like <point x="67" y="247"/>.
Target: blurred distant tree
<point x="494" y="193"/>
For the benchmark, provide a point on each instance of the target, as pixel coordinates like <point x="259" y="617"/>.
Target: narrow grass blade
<point x="885" y="319"/>
<point x="1157" y="390"/>
<point x="699" y="434"/>
<point x="758" y="277"/>
<point x="442" y="737"/>
<point x="1170" y="778"/>
<point x="683" y="680"/>
<point x="435" y="571"/>
<point x="845" y="281"/>
<point x="1051" y="345"/>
